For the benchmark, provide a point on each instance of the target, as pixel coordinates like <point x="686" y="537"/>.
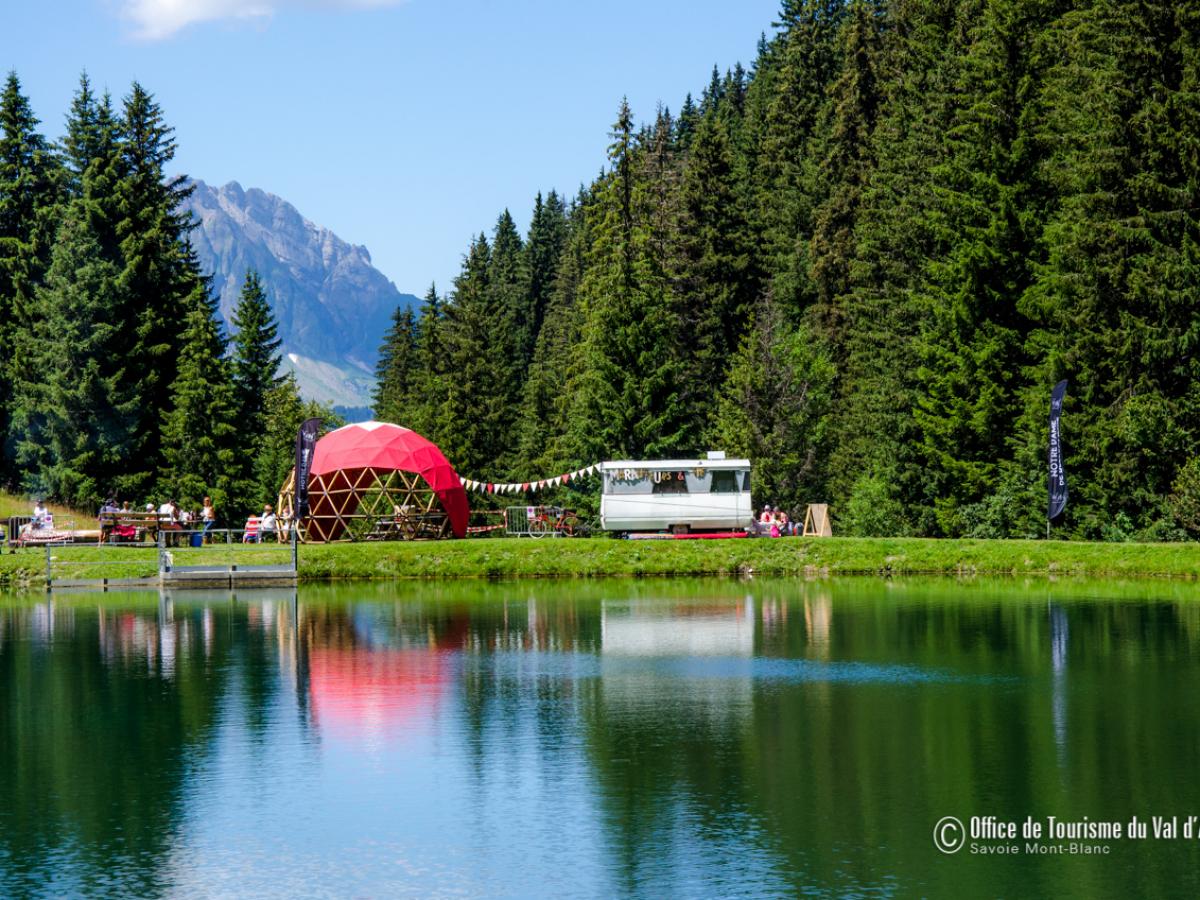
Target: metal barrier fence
<point x="176" y="557"/>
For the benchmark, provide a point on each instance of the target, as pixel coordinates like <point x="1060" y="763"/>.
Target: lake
<point x="653" y="738"/>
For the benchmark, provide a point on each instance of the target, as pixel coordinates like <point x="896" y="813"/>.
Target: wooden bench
<point x="143" y="522"/>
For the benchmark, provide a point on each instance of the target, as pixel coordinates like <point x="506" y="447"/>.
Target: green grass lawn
<point x="597" y="557"/>
<point x="548" y="557"/>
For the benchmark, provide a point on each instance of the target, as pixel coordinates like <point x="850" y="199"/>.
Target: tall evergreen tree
<point x="396" y="370"/>
<point x="430" y="369"/>
<point x="546" y="401"/>
<point x="625" y="397"/>
<point x="547" y="236"/>
<point x="842" y="162"/>
<point x="992" y="207"/>
<point x="79" y="410"/>
<point x="29" y="193"/>
<point x="199" y="433"/>
<point x="774" y="408"/>
<point x="1115" y="298"/>
<point x="806" y="63"/>
<point x="715" y="275"/>
<point x="156" y="279"/>
<point x="256" y="356"/>
<point x="284" y="411"/>
<point x="90" y="133"/>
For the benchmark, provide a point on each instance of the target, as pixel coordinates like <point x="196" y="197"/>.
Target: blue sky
<point x="403" y="126"/>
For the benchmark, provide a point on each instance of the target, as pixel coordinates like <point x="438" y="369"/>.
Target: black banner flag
<point x="306" y="440"/>
<point x="1058" y="474"/>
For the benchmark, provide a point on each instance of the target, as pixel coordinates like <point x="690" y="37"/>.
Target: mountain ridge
<point x="332" y="305"/>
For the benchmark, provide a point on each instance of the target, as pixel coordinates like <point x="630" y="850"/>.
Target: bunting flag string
<point x="491" y="487"/>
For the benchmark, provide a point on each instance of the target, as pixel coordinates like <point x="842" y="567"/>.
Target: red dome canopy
<point x="380" y="445"/>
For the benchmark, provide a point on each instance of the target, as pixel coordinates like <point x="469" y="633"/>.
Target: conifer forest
<point x="862" y="261"/>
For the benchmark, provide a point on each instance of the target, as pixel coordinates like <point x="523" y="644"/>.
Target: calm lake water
<point x="631" y="738"/>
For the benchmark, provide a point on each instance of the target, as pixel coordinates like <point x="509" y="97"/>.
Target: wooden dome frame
<point x="372" y="504"/>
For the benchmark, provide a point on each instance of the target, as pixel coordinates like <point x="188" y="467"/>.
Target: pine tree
<point x="876" y="463"/>
<point x="842" y="161"/>
<point x="29" y="194"/>
<point x="715" y="277"/>
<point x="396" y="372"/>
<point x="625" y="397"/>
<point x="806" y="63"/>
<point x="546" y="401"/>
<point x="156" y="279"/>
<point x="78" y="412"/>
<point x="547" y="236"/>
<point x="774" y="408"/>
<point x="256" y="356"/>
<point x="1114" y="300"/>
<point x="430" y="368"/>
<point x="200" y="433"/>
<point x="474" y="443"/>
<point x="284" y="411"/>
<point x="90" y="133"/>
<point x="991" y="210"/>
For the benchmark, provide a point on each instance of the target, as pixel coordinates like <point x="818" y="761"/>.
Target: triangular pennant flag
<point x="562" y="479"/>
<point x="541" y="484"/>
<point x="525" y="486"/>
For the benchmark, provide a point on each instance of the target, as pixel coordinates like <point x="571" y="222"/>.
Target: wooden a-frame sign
<point x="816" y="521"/>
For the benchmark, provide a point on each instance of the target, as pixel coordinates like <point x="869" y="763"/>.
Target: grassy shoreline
<point x="601" y="557"/>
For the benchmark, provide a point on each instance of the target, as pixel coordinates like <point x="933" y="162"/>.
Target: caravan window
<point x="725" y="483"/>
<point x="626" y="481"/>
<point x="670" y="483"/>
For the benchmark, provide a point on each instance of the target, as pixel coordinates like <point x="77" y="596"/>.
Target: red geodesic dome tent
<point x="375" y="480"/>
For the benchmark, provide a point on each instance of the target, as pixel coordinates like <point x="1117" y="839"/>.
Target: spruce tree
<point x="774" y="408"/>
<point x="474" y="443"/>
<point x="546" y="401"/>
<point x="256" y="356"/>
<point x="79" y="411"/>
<point x="842" y="162"/>
<point x="1114" y="301"/>
<point x="625" y="397"/>
<point x="156" y="279"/>
<point x="200" y="432"/>
<point x="715" y="278"/>
<point x="396" y="372"/>
<point x="807" y="62"/>
<point x="430" y="369"/>
<point x="89" y="136"/>
<point x="29" y="192"/>
<point x="274" y="456"/>
<point x="547" y="236"/>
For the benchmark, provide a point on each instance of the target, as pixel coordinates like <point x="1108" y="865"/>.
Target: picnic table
<point x="134" y="525"/>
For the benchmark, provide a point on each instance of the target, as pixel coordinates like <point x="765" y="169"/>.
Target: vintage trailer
<point x="678" y="495"/>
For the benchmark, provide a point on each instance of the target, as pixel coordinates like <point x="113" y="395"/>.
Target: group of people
<point x="264" y="527"/>
<point x="169" y="514"/>
<point x="775" y="522"/>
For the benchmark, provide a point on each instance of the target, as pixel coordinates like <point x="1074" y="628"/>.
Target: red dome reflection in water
<point x="374" y="694"/>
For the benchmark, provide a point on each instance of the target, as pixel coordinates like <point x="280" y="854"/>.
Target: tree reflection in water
<point x="663" y="737"/>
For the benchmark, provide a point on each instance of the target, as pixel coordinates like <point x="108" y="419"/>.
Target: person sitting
<point x="250" y="534"/>
<point x="41" y="516"/>
<point x="785" y="524"/>
<point x="268" y="524"/>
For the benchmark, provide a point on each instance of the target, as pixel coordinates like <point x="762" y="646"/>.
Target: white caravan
<point x="679" y="495"/>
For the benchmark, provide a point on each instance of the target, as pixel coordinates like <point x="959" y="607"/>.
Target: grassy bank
<point x="548" y="558"/>
<point x="512" y="557"/>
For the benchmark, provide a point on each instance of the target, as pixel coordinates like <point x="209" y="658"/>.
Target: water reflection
<point x="643" y="738"/>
